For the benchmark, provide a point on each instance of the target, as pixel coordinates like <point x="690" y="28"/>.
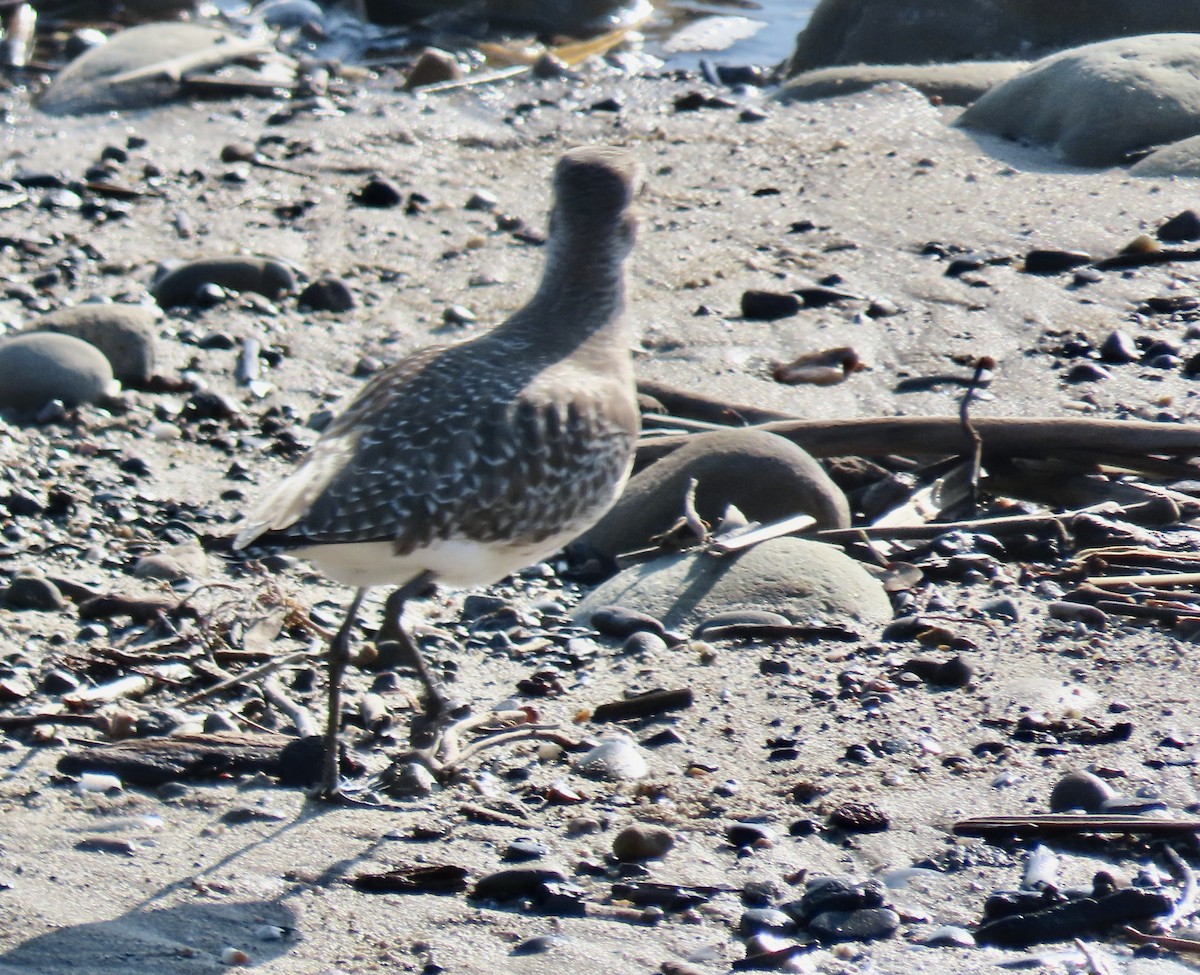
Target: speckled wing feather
<point x="474" y="441"/>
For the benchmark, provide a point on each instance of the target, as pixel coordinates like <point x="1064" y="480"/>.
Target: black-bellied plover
<point x="461" y="464"/>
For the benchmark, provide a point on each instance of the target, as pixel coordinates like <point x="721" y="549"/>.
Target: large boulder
<point x="928" y="31"/>
<point x="806" y="582"/>
<point x="952" y="84"/>
<point x="765" y="476"/>
<point x="1099" y="104"/>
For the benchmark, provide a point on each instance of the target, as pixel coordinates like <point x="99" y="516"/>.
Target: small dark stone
<point x="327" y="294"/>
<point x="744" y="835"/>
<point x="458" y="315"/>
<point x="642" y="842"/>
<point x="379" y="192"/>
<point x="523" y="849"/>
<point x="29" y="591"/>
<point x="1086" y="372"/>
<point x="756" y="919"/>
<point x="869" y="924"/>
<point x="823" y="894"/>
<point x="537" y="945"/>
<point x="1080" y="790"/>
<point x="1054" y="261"/>
<point x="507" y="885"/>
<point x="619" y="622"/>
<point x="606" y="105"/>
<point x="767" y="306"/>
<point x="1182" y="226"/>
<point x="1118" y="348"/>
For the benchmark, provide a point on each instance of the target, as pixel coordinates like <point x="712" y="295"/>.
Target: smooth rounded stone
<point x="952" y="84"/>
<point x="801" y="580"/>
<point x="519" y="882"/>
<point x="433" y="67"/>
<point x="184" y="561"/>
<point x="106" y="78"/>
<point x="1080" y="790"/>
<point x="1118" y="348"/>
<point x="948" y="936"/>
<point x="756" y="919"/>
<point x="945" y="31"/>
<point x="523" y="848"/>
<point x="765" y="476"/>
<point x="183" y="285"/>
<point x="37" y="368"/>
<point x="1181" y="158"/>
<point x="622" y="622"/>
<point x="124" y="333"/>
<point x="1098" y="104"/>
<point x="32" y="590"/>
<point x="1185" y="225"/>
<point x="642" y="841"/>
<point x="869" y="924"/>
<point x="327" y="294"/>
<point x="615" y="759"/>
<point x="822" y="894"/>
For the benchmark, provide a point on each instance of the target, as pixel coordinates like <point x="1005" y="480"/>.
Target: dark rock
<point x="619" y="622"/>
<point x="327" y="294"/>
<point x="1118" y="348"/>
<point x="184" y="285"/>
<point x="868" y="924"/>
<point x="1182" y="226"/>
<point x="1054" y="261"/>
<point x="380" y="193"/>
<point x="507" y="885"/>
<point x="1080" y="790"/>
<point x="642" y="842"/>
<point x="768" y="306"/>
<point x="757" y="919"/>
<point x="30" y="590"/>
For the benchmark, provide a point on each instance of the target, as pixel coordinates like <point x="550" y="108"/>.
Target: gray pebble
<point x="37" y="368"/>
<point x="124" y="333"/>
<point x="1080" y="790"/>
<point x="619" y="622"/>
<point x="184" y="561"/>
<point x="642" y="841"/>
<point x="482" y="200"/>
<point x="641" y="643"/>
<point x="757" y="919"/>
<point x="32" y="590"/>
<point x="868" y="924"/>
<point x="327" y="294"/>
<point x="1002" y="607"/>
<point x="614" y="760"/>
<point x="188" y="282"/>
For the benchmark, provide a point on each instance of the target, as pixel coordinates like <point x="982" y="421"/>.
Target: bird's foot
<point x="440" y="750"/>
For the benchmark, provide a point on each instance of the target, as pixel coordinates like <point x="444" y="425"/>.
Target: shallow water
<point x="782" y="20"/>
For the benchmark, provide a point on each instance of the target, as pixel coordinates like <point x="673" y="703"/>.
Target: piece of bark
<point x="179" y="758"/>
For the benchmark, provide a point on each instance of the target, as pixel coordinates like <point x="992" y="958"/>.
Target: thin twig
<point x="297" y="713"/>
<point x="982" y="365"/>
<point x="247" y="677"/>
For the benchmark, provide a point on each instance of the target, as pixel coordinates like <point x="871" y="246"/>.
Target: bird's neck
<point x="580" y="300"/>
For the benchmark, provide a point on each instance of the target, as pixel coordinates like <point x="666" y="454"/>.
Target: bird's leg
<point x="436" y="704"/>
<point x="339" y="657"/>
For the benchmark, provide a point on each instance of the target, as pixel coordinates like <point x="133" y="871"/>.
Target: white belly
<point x="457" y="562"/>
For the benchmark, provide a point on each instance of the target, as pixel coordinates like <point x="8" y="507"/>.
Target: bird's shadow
<point x="184" y="938"/>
